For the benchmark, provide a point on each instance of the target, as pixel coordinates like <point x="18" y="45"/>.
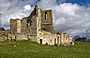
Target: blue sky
<point x="71" y="16"/>
<point x="79" y="2"/>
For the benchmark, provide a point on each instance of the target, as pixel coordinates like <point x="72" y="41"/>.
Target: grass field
<point x="26" y="49"/>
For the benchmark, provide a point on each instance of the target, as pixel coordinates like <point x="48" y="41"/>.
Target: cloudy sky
<point x="71" y="16"/>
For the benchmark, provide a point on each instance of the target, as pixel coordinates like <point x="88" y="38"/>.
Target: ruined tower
<point x="40" y="20"/>
<point x="34" y="21"/>
<point x="15" y="26"/>
<point x="37" y="21"/>
<point x="47" y="23"/>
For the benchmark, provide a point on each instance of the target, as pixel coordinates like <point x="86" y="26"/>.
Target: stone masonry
<point x="37" y="27"/>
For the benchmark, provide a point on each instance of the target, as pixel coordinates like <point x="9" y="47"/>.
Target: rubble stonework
<point x="15" y="25"/>
<point x="37" y="27"/>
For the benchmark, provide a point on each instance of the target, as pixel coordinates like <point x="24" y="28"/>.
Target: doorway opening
<point x="54" y="41"/>
<point x="40" y="41"/>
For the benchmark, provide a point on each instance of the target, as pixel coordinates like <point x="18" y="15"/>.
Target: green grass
<point x="26" y="49"/>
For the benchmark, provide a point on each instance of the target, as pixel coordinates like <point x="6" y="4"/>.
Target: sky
<point x="71" y="16"/>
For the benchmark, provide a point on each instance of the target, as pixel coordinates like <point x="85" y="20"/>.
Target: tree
<point x="81" y="39"/>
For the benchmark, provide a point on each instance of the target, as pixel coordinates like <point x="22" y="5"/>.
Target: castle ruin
<point x="37" y="27"/>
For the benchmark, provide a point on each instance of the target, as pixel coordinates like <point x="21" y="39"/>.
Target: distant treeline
<point x="84" y="39"/>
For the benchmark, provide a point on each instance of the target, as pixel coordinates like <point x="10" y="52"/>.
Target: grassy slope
<point x="26" y="49"/>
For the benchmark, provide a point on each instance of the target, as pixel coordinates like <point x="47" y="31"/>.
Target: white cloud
<point x="13" y="9"/>
<point x="68" y="17"/>
<point x="67" y="8"/>
<point x="27" y="7"/>
<point x="57" y="22"/>
<point x="75" y="18"/>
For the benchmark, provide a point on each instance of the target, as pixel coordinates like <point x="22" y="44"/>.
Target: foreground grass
<point x="26" y="49"/>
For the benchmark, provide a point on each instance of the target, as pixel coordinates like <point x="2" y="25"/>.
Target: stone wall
<point x="65" y="39"/>
<point x="18" y="26"/>
<point x="3" y="35"/>
<point x="33" y="26"/>
<point x="15" y="25"/>
<point x="48" y="38"/>
<point x="47" y="23"/>
<point x="47" y="17"/>
<point x="54" y="39"/>
<point x="24" y="26"/>
<point x="9" y="36"/>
